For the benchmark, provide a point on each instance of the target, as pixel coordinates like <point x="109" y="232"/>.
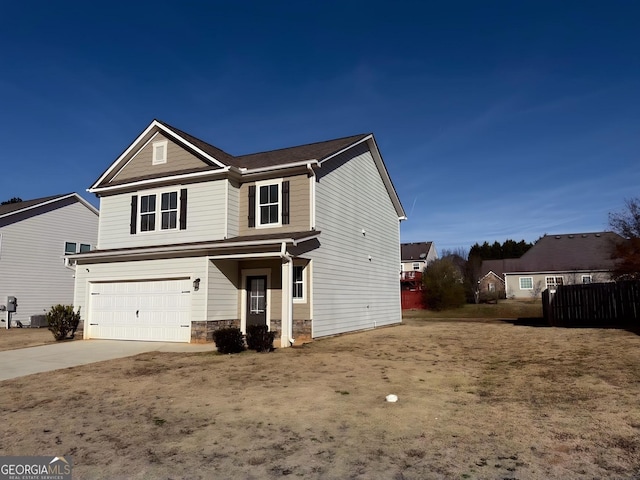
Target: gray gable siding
<point x="31" y="250"/>
<point x="355" y="275"/>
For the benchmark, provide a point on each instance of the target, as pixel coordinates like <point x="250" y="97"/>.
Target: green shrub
<point x="259" y="338"/>
<point x="63" y="321"/>
<point x="443" y="285"/>
<point x="229" y="340"/>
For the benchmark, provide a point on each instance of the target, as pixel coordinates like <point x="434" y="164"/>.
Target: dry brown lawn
<point x="477" y="399"/>
<point x="26" y="337"/>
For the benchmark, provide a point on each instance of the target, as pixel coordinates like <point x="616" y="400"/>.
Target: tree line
<point x="451" y="281"/>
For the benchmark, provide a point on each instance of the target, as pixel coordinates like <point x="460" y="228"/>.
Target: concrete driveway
<point x="25" y="361"/>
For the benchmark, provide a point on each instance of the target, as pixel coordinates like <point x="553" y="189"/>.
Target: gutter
<point x="190" y="248"/>
<point x="246" y="171"/>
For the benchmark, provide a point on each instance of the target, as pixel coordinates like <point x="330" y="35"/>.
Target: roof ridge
<point x="359" y="135"/>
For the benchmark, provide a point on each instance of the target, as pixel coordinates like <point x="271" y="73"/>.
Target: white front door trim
<point x="249" y="272"/>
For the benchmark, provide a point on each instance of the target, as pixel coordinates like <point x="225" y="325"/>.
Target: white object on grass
<point x="392" y="398"/>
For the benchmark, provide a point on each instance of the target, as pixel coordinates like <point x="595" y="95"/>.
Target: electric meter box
<point x="12" y="304"/>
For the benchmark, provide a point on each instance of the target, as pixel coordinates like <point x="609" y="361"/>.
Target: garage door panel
<point x="157" y="310"/>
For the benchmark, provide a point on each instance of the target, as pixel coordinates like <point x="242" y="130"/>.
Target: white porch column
<point x="286" y="337"/>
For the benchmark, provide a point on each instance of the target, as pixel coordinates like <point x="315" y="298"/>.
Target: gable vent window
<point x="159" y="152"/>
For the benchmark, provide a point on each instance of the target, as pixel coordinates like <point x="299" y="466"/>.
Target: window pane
<point x="84" y="248"/>
<point x="169" y="220"/>
<point x="147" y="203"/>
<point x="526" y="283"/>
<point x="148" y="222"/>
<point x="264" y="195"/>
<point x="169" y="201"/>
<point x="69" y="248"/>
<point x="273" y="193"/>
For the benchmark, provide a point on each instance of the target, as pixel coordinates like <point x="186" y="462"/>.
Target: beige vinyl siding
<point x="275" y="266"/>
<point x="206" y="216"/>
<point x="141" y="165"/>
<point x="223" y="290"/>
<point x="31" y="250"/>
<point x="355" y="275"/>
<point x="298" y="208"/>
<point x="159" y="269"/>
<point x="512" y="281"/>
<point x="302" y="310"/>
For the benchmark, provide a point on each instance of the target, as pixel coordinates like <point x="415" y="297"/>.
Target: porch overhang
<point x="247" y="246"/>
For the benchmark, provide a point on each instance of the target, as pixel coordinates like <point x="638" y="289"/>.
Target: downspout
<point x="288" y="259"/>
<point x="312" y="196"/>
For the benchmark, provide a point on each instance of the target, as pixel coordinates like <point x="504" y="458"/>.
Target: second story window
<point x="169" y="210"/>
<point x="159" y="211"/>
<point x="269" y="203"/>
<point x="147" y="213"/>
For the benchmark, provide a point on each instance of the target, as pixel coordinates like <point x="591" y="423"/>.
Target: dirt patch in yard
<point x="26" y="337"/>
<point x="476" y="400"/>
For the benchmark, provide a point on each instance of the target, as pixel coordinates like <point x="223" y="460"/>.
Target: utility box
<point x="38" y="321"/>
<point x="12" y="304"/>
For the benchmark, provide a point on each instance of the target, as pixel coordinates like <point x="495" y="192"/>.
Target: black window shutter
<point x="252" y="206"/>
<point x="183" y="209"/>
<point x="134" y="214"/>
<point x="285" y="202"/>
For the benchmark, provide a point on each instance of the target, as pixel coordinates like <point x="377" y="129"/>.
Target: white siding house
<point x="304" y="240"/>
<point x="34" y="237"/>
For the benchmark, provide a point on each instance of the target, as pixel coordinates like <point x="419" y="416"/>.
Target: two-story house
<point x="303" y="239"/>
<point x="36" y="236"/>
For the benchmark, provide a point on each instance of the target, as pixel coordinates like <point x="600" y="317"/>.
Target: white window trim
<point x="553" y="278"/>
<point x="264" y="183"/>
<point x="520" y="283"/>
<point x="77" y="245"/>
<point x="303" y="299"/>
<point x="158" y="211"/>
<point x="243" y="296"/>
<point x="159" y="160"/>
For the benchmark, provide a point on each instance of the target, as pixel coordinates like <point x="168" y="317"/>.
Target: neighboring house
<point x="303" y="239"/>
<point x="415" y="256"/>
<point x="491" y="283"/>
<point x="557" y="260"/>
<point x="414" y="259"/>
<point x="35" y="235"/>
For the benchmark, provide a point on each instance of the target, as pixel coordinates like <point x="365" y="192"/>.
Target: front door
<point x="257" y="300"/>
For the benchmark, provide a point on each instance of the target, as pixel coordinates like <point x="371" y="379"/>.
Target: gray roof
<point x="561" y="253"/>
<point x="415" y="251"/>
<point x="15" y="207"/>
<point x="312" y="151"/>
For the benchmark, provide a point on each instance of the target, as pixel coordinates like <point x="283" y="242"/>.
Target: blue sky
<point x="496" y="120"/>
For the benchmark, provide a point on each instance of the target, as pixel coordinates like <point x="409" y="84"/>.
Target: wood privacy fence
<point x="596" y="304"/>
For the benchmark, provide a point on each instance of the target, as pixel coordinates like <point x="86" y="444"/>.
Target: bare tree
<point x="626" y="223"/>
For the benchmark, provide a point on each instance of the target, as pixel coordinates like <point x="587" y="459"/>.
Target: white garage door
<point x="150" y="310"/>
